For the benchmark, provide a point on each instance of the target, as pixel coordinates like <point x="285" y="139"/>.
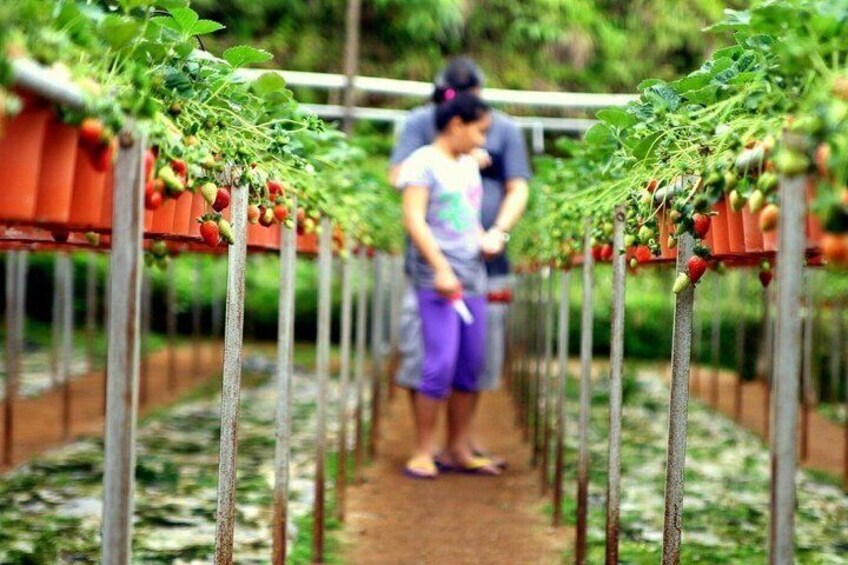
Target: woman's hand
<point x="492" y="243"/>
<point x="446" y="283"/>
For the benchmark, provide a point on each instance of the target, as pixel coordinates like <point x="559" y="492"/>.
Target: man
<point x="505" y="170"/>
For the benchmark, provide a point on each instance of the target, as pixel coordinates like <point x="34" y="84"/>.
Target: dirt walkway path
<point x="825" y="439"/>
<point x="455" y="519"/>
<point x="38" y="420"/>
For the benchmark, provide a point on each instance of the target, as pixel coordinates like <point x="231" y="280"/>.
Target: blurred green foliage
<point x="605" y="45"/>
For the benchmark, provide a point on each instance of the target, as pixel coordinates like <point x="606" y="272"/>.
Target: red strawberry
<point x="696" y="266"/>
<point x="149" y="163"/>
<point x="652" y="185"/>
<point x="222" y="200"/>
<point x="152" y="199"/>
<point x="91" y="132"/>
<point x="643" y="254"/>
<point x="275" y="187"/>
<point x="179" y="167"/>
<point x="101" y="157"/>
<point x="765" y="278"/>
<point x="596" y="252"/>
<point x="210" y="233"/>
<point x="301" y="221"/>
<point x="281" y="213"/>
<point x="606" y="252"/>
<point x="60" y="236"/>
<point x="253" y="214"/>
<point x="266" y="217"/>
<point x="702" y="225"/>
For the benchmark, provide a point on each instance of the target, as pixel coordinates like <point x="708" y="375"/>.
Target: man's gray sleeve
<point x="413" y="136"/>
<point x="516" y="162"/>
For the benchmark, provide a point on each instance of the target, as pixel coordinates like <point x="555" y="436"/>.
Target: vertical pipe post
<point x="678" y="410"/>
<point x="196" y="319"/>
<point x="67" y="341"/>
<point x="322" y="369"/>
<point x="545" y="384"/>
<point x="344" y="386"/>
<point x="13" y="351"/>
<point x="697" y="357"/>
<point x="740" y="347"/>
<point x="359" y="369"/>
<point x="791" y="234"/>
<point x="768" y="366"/>
<point x="585" y="396"/>
<point x="122" y="361"/>
<point x="171" y="325"/>
<point x="285" y="367"/>
<point x="619" y="273"/>
<point x="539" y="336"/>
<point x="715" y="342"/>
<point x="397" y="288"/>
<point x="561" y="386"/>
<point x="56" y="322"/>
<point x="530" y="360"/>
<point x="90" y="310"/>
<point x="377" y="306"/>
<point x="146" y="299"/>
<point x="233" y="336"/>
<point x="807" y="394"/>
<point x="351" y="62"/>
<point x="835" y="347"/>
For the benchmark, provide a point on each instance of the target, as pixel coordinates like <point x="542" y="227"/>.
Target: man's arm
<point x="412" y="136"/>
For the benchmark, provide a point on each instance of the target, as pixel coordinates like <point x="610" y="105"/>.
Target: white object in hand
<point x="462" y="309"/>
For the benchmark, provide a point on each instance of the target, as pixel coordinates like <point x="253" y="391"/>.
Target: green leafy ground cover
<point x="726" y="508"/>
<point x="52" y="506"/>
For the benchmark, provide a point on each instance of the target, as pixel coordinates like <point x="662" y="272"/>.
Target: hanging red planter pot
<point x="56" y="176"/>
<point x="770" y="240"/>
<point x="21" y="144"/>
<point x="87" y="199"/>
<point x="198" y="208"/>
<point x="106" y="211"/>
<point x="307" y="243"/>
<point x="163" y="218"/>
<point x="718" y="228"/>
<point x="182" y="214"/>
<point x="735" y="232"/>
<point x="751" y="228"/>
<point x="814" y="229"/>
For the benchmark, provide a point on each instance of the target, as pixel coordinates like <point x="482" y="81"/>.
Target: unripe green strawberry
<point x="173" y="185"/>
<point x="226" y="231"/>
<point x="92" y="238"/>
<point x="672" y="242"/>
<point x="791" y="162"/>
<point x="756" y="201"/>
<point x="645" y="234"/>
<point x="209" y="192"/>
<point x="736" y="201"/>
<point x="681" y="283"/>
<point x="629" y="240"/>
<point x="767" y="182"/>
<point x="730" y="180"/>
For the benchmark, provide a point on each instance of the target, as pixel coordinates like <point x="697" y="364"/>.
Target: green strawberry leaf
<point x="242" y="55"/>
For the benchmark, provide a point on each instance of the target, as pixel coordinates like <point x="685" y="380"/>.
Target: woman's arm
<point x="414" y="220"/>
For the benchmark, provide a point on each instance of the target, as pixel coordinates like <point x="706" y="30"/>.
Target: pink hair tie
<point x="450" y="93"/>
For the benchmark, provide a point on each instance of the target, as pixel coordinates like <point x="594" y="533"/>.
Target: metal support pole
<point x="619" y="272"/>
<point x="530" y="360"/>
<point x="769" y="359"/>
<point x="171" y="325"/>
<point x="397" y="288"/>
<point x="715" y="342"/>
<point x="67" y="338"/>
<point x="285" y="370"/>
<point x="585" y="396"/>
<point x="196" y="319"/>
<point x="740" y="347"/>
<point x="359" y="369"/>
<point x="354" y="8"/>
<point x="377" y="306"/>
<point x="697" y="357"/>
<point x="233" y="336"/>
<point x="835" y="348"/>
<point x="146" y="300"/>
<point x="14" y="344"/>
<point x="790" y="258"/>
<point x="107" y="291"/>
<point x="56" y="322"/>
<point x="678" y="410"/>
<point x="122" y="362"/>
<point x="90" y="309"/>
<point x="344" y="386"/>
<point x="807" y="393"/>
<point x="322" y="370"/>
<point x="538" y="346"/>
<point x="545" y="383"/>
<point x="561" y="394"/>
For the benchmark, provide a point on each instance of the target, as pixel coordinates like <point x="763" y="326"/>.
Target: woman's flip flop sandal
<point x="421" y="468"/>
<point x="498" y="462"/>
<point x="479" y="466"/>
